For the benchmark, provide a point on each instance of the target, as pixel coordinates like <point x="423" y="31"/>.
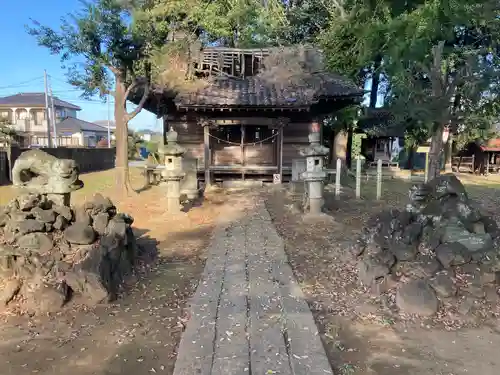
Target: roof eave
<point x="356" y="97"/>
<point x="12" y="105"/>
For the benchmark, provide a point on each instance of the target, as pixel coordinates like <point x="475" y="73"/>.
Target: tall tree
<point x="230" y="23"/>
<point x="445" y="68"/>
<point x="348" y="40"/>
<point x="107" y="53"/>
<point x="439" y="60"/>
<point x="305" y="20"/>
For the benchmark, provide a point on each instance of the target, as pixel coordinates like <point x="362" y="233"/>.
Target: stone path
<point x="248" y="315"/>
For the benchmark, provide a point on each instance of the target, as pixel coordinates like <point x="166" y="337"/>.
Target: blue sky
<point x="22" y="62"/>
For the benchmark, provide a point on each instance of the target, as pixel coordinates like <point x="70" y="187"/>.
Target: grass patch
<point x="396" y="190"/>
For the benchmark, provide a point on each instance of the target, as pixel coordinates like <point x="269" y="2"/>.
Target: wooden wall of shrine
<point x="242" y="143"/>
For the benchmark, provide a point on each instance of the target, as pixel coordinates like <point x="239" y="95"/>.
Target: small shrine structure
<point x="241" y="125"/>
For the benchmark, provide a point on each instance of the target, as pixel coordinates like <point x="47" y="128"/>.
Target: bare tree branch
<point x="145" y="95"/>
<point x="131" y="87"/>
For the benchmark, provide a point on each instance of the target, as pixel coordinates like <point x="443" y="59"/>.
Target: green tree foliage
<point x="133" y="145"/>
<point x="352" y="39"/>
<point x="304" y="21"/>
<point x="231" y="23"/>
<point x="197" y="23"/>
<point x="106" y="51"/>
<point x="7" y="134"/>
<point x="444" y="70"/>
<point x="438" y="60"/>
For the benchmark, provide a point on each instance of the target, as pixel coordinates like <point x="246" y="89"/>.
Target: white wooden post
<point x="358" y="177"/>
<point x="337" y="178"/>
<point x="379" y="179"/>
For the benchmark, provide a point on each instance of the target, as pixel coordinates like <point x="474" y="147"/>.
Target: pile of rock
<point x="440" y="249"/>
<point x="50" y="253"/>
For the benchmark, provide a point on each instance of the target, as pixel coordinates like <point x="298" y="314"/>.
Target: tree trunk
<point x="331" y="153"/>
<point x="122" y="172"/>
<point x="340" y="148"/>
<point x="448" y="152"/>
<point x="348" y="159"/>
<point x="435" y="153"/>
<point x="375" y="81"/>
<point x="411" y="155"/>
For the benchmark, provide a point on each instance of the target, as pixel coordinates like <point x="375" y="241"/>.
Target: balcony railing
<point x="38" y="125"/>
<point x="25" y="125"/>
<point x="21" y="125"/>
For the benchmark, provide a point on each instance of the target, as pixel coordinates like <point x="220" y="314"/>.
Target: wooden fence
<point x="463" y="164"/>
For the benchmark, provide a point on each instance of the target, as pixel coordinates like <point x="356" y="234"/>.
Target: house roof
<point x="380" y="122"/>
<point x="74" y="125"/>
<point x="257" y="92"/>
<point x="148" y="131"/>
<point x="104" y="123"/>
<point x="34" y="99"/>
<point x="493" y="145"/>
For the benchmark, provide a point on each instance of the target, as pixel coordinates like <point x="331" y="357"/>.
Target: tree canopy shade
<point x="438" y="61"/>
<point x="445" y="70"/>
<point x="230" y="23"/>
<point x="106" y="51"/>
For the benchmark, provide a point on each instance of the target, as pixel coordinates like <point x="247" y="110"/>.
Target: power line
<point x="59" y="80"/>
<point x="15" y="85"/>
<point x="91" y="101"/>
<point x="70" y="90"/>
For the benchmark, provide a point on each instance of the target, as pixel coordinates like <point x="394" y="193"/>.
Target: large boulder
<point x="80" y="233"/>
<point x="417" y="297"/>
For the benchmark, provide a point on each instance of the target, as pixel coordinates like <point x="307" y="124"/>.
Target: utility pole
<point x="54" y="129"/>
<point x="47" y="114"/>
<point x="109" y="128"/>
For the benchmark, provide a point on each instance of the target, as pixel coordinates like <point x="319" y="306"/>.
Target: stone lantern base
<point x="315" y="182"/>
<point x="173" y="195"/>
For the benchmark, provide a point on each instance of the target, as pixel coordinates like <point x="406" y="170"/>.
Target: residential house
<point x="75" y="132"/>
<point x="26" y="113"/>
<point x="149" y="135"/>
<point x="485" y="152"/>
<point x="105" y="124"/>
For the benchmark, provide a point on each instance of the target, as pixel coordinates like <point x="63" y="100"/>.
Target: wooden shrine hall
<point x="243" y="125"/>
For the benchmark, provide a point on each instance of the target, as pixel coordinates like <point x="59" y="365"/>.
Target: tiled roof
<point x="104" y="123"/>
<point x="71" y="124"/>
<point x="380" y="122"/>
<point x="256" y="92"/>
<point x="35" y="99"/>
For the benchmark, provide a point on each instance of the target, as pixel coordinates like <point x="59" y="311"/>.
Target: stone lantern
<point x="171" y="154"/>
<point x="314" y="175"/>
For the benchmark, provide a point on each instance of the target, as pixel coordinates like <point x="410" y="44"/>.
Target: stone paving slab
<point x="248" y="314"/>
